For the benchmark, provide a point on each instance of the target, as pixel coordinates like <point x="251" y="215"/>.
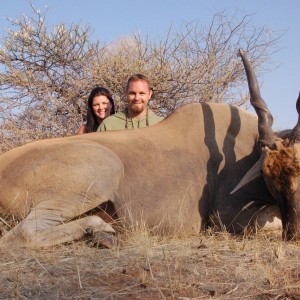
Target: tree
<point x="46" y="76"/>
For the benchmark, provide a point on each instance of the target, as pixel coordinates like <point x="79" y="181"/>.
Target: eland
<point x="206" y="164"/>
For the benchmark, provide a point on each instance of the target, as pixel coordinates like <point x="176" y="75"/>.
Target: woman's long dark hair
<point x="91" y="119"/>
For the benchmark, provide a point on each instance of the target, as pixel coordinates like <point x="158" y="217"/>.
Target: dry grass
<point x="214" y="265"/>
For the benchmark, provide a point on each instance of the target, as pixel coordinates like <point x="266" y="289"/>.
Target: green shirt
<point x="118" y="121"/>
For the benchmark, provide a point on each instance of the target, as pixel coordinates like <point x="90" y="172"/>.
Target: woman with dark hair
<point x="100" y="106"/>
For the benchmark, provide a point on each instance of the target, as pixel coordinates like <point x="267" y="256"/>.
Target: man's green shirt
<point x="118" y="121"/>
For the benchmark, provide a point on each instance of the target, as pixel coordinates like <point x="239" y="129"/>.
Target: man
<point x="136" y="114"/>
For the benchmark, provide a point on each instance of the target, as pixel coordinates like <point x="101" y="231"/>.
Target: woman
<point x="100" y="106"/>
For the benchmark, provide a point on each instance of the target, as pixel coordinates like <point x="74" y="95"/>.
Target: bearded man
<point x="137" y="113"/>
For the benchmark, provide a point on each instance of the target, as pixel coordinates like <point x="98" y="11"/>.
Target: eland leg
<point x="37" y="231"/>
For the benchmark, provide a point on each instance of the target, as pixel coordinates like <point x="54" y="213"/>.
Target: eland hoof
<point x="102" y="239"/>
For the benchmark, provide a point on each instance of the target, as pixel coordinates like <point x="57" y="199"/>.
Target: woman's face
<point x="101" y="107"/>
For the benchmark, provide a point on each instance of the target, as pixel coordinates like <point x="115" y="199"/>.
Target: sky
<point x="114" y="19"/>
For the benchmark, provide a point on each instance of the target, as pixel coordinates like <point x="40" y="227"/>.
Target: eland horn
<point x="295" y="133"/>
<point x="265" y="120"/>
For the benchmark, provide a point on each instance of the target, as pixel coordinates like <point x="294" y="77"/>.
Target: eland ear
<point x="253" y="173"/>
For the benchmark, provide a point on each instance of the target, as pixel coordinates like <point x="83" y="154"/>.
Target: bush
<point x="46" y="75"/>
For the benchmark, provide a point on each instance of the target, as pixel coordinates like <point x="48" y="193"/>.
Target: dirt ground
<point x="210" y="266"/>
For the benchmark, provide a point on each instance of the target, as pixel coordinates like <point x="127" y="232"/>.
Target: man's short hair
<point x="137" y="77"/>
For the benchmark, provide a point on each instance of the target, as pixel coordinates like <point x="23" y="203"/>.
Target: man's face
<point x="138" y="95"/>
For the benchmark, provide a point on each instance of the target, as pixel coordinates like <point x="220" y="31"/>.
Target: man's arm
<point x="102" y="127"/>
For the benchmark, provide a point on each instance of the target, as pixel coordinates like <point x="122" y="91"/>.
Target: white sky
<point x="112" y="19"/>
